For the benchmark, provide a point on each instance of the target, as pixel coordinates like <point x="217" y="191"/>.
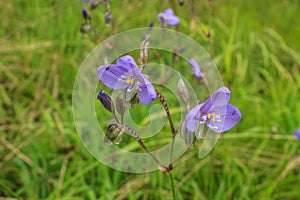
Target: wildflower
<point x="196" y="68"/>
<point x="215" y="112"/>
<point x="86" y="1"/>
<point x="126" y="75"/>
<point x="168" y="18"/>
<point x="297" y="133"/>
<point x="105" y="100"/>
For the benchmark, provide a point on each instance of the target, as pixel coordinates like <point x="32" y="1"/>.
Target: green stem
<point x="172" y="185"/>
<point x="175" y="8"/>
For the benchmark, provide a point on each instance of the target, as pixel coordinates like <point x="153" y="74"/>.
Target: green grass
<point x="256" y="46"/>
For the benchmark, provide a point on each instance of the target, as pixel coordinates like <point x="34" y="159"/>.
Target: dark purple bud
<point x="95" y="4"/>
<point x="151" y="25"/>
<point x="108" y="17"/>
<point x="86" y="14"/>
<point x="105" y="100"/>
<point x="181" y="2"/>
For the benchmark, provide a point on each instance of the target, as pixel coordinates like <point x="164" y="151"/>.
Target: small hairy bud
<point x="113" y="134"/>
<point x="105" y="99"/>
<point x="108" y="17"/>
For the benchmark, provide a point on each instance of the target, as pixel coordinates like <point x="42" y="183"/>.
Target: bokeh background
<point x="256" y="46"/>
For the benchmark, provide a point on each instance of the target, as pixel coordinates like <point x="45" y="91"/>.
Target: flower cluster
<point x="126" y="76"/>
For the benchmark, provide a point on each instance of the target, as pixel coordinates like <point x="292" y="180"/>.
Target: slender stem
<point x="166" y="107"/>
<point x="172" y="185"/>
<point x="175" y="8"/>
<point x="141" y="143"/>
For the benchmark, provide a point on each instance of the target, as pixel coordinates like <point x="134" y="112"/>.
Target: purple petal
<point x="128" y="62"/>
<point x="192" y="118"/>
<point x="169" y="12"/>
<point x="196" y="68"/>
<point x="297" y="133"/>
<point x="146" y="91"/>
<point x="161" y="17"/>
<point x="113" y="76"/>
<point x="218" y="98"/>
<point x="227" y="118"/>
<point x="173" y="20"/>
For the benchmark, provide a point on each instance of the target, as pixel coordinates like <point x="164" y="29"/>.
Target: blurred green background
<point x="255" y="44"/>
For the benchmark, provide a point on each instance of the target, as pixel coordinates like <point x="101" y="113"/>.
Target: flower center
<point x="210" y="116"/>
<point x="130" y="80"/>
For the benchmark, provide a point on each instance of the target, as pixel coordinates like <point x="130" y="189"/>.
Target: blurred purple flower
<point x="215" y="112"/>
<point x="86" y="1"/>
<point x="196" y="68"/>
<point x="297" y="133"/>
<point x="168" y="18"/>
<point x="126" y="75"/>
<point x="86" y="14"/>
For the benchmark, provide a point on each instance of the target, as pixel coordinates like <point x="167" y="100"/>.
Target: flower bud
<point x="85" y="28"/>
<point x="113" y="134"/>
<point x="95" y="4"/>
<point x="86" y="14"/>
<point x="151" y="24"/>
<point x="105" y="100"/>
<point x="188" y="136"/>
<point x="183" y="92"/>
<point x="108" y="17"/>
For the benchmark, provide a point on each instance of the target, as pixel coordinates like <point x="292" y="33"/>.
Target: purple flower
<point x="196" y="68"/>
<point x="126" y="75"/>
<point x="86" y="1"/>
<point x="215" y="112"/>
<point x="297" y="133"/>
<point x="168" y="18"/>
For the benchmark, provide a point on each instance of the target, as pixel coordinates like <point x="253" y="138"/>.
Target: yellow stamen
<point x="214" y="116"/>
<point x="130" y="80"/>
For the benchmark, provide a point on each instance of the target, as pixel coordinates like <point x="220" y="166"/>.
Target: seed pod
<point x="105" y="100"/>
